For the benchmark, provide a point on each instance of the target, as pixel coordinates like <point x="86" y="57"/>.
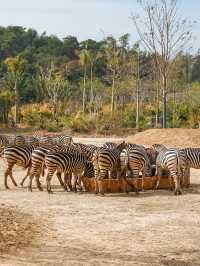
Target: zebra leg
<point x="13" y="180"/>
<point x="37" y="178"/>
<point x="177" y="190"/>
<point x="68" y="181"/>
<point x="30" y="182"/>
<point x="7" y="173"/>
<point x="74" y="181"/>
<point x="60" y="180"/>
<point x="96" y="176"/>
<point x="100" y="187"/>
<point x="48" y="181"/>
<point x="26" y="176"/>
<point x="170" y="183"/>
<point x="79" y="182"/>
<point x="102" y="174"/>
<point x="158" y="175"/>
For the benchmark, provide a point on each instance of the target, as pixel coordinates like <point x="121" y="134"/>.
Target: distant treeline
<point x="90" y="85"/>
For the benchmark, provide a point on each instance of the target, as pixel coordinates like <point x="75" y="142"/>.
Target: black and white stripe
<point x="137" y="161"/>
<point x="173" y="161"/>
<point x="67" y="163"/>
<point x="106" y="161"/>
<point x="19" y="155"/>
<point x="4" y="142"/>
<point x="19" y="140"/>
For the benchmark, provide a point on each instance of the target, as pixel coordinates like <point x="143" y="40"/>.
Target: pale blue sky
<point x="83" y="18"/>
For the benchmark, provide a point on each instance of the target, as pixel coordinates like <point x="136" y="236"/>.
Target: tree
<point x="115" y="59"/>
<point x="54" y="86"/>
<point x="16" y="72"/>
<point x="164" y="34"/>
<point x="6" y="101"/>
<point x="84" y="61"/>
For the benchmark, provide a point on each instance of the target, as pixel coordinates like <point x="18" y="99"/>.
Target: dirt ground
<point x="82" y="229"/>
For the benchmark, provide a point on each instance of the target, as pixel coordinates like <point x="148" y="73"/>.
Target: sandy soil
<point x="83" y="229"/>
<point x="171" y="137"/>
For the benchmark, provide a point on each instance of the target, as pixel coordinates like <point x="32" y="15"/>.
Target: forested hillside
<point x="91" y="85"/>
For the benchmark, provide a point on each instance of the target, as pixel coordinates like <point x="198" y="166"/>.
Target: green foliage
<point x="58" y="72"/>
<point x="81" y="123"/>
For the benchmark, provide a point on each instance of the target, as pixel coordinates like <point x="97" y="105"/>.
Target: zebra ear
<point x="121" y="145"/>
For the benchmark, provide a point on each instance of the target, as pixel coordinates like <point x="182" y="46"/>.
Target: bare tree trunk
<point x="138" y="94"/>
<point x="91" y="90"/>
<point x="16" y="114"/>
<point x="164" y="85"/>
<point x="157" y="104"/>
<point x="112" y="96"/>
<point x="84" y="85"/>
<point x="174" y="107"/>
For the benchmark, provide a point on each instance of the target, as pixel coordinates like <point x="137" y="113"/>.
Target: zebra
<point x="106" y="161"/>
<point x="19" y="140"/>
<point x="192" y="156"/>
<point x="4" y="142"/>
<point x="152" y="154"/>
<point x="19" y="155"/>
<point x="135" y="160"/>
<point x="172" y="160"/>
<point x="110" y="145"/>
<point x="64" y="162"/>
<point x="63" y="139"/>
<point x="86" y="149"/>
<point x="37" y="163"/>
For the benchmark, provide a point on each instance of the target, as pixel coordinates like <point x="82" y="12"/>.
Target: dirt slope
<point x="172" y="137"/>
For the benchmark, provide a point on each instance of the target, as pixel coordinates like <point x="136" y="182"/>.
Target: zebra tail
<point x="42" y="170"/>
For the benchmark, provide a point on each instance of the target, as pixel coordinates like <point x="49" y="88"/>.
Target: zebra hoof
<point x="21" y="184"/>
<point x="40" y="189"/>
<point x="177" y="193"/>
<point x="7" y="187"/>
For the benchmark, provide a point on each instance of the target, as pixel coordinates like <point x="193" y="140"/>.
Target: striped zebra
<point x="152" y="154"/>
<point x="63" y="139"/>
<point x="19" y="140"/>
<point x="110" y="145"/>
<point x="86" y="149"/>
<point x="174" y="162"/>
<point x="62" y="162"/>
<point x="33" y="141"/>
<point x="136" y="161"/>
<point x="106" y="161"/>
<point x="19" y="155"/>
<point x="192" y="156"/>
<point x="37" y="163"/>
<point x="4" y="142"/>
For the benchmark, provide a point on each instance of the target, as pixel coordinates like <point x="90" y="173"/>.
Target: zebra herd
<point x="61" y="155"/>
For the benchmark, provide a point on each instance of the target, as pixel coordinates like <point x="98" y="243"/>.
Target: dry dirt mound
<point x="17" y="229"/>
<point x="172" y="137"/>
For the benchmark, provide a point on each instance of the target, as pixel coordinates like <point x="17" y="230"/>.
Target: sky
<point x="84" y="18"/>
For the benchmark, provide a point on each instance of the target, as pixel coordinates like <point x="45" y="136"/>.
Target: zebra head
<point x="159" y="147"/>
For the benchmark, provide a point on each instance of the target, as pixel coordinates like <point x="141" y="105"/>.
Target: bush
<point x="81" y="123"/>
<point x="52" y="128"/>
<point x="36" y="115"/>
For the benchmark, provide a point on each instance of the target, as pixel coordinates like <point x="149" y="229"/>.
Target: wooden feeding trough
<point x="119" y="185"/>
